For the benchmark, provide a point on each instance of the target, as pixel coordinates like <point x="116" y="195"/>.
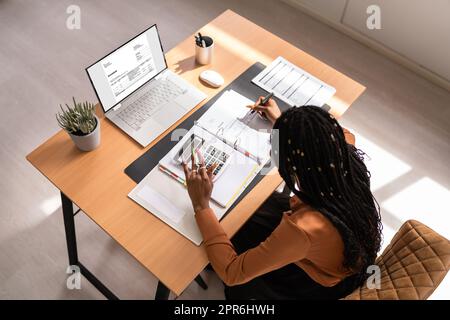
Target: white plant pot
<point x="90" y="141"/>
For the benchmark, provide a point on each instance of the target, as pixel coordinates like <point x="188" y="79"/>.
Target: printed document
<point x="293" y="85"/>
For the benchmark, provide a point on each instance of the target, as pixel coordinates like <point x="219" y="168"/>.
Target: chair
<point x="412" y="266"/>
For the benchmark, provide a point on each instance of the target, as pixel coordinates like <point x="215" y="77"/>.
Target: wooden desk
<point x="96" y="182"/>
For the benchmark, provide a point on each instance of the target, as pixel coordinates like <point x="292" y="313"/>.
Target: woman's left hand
<point x="199" y="183"/>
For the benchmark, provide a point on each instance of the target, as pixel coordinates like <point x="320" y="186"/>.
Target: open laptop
<point x="138" y="92"/>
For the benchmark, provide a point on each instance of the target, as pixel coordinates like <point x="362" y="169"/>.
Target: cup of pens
<point x="204" y="49"/>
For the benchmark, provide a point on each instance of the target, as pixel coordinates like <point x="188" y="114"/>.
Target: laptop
<point x="137" y="91"/>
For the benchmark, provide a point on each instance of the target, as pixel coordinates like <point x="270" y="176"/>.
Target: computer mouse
<point x="212" y="78"/>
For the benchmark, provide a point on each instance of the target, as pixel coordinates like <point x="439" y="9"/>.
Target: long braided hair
<point x="329" y="174"/>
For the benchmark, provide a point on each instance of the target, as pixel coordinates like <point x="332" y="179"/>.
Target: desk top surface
<point x="96" y="182"/>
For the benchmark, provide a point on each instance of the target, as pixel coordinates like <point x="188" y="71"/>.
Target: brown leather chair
<point x="412" y="266"/>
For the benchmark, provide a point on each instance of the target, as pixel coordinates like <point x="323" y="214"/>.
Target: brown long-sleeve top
<point x="304" y="237"/>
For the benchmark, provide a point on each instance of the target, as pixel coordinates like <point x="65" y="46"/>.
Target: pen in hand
<point x="263" y="101"/>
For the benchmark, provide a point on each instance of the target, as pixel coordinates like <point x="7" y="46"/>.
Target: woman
<point x="315" y="245"/>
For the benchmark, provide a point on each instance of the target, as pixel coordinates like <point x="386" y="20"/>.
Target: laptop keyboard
<point x="143" y="108"/>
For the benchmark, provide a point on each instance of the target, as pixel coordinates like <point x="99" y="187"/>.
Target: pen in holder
<point x="204" y="49"/>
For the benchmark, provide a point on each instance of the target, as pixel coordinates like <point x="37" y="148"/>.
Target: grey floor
<point x="402" y="121"/>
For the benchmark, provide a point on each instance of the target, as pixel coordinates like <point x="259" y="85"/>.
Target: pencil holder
<point x="204" y="55"/>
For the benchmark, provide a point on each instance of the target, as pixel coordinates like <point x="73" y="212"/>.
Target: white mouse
<point x="212" y="78"/>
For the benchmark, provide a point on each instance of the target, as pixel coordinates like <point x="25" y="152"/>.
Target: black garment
<point x="288" y="282"/>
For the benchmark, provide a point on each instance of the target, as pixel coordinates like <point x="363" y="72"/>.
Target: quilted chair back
<point x="412" y="266"/>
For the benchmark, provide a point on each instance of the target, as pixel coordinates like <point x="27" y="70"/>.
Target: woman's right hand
<point x="270" y="110"/>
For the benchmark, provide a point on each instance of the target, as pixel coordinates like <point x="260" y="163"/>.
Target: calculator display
<point x="185" y="153"/>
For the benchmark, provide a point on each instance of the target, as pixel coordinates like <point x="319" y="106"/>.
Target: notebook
<point x="231" y="120"/>
<point x="228" y="125"/>
<point x="293" y="85"/>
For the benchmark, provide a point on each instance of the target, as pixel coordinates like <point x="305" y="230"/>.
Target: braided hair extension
<point x="329" y="174"/>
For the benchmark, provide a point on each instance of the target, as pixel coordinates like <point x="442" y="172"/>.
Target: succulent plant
<point x="79" y="119"/>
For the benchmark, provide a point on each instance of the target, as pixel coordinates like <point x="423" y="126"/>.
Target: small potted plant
<point x="81" y="123"/>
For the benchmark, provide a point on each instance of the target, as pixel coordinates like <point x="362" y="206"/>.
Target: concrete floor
<point x="402" y="121"/>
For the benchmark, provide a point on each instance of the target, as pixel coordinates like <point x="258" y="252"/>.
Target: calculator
<point x="214" y="155"/>
<point x="211" y="153"/>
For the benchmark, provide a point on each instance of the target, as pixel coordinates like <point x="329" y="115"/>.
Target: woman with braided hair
<point x="316" y="244"/>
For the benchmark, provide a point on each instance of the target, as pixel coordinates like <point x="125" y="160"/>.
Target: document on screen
<point x="126" y="68"/>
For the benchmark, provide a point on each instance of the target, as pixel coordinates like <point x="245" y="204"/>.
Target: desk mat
<point x="242" y="84"/>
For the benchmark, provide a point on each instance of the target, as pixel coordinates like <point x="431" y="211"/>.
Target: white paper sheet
<point x="293" y="85"/>
<point x="187" y="226"/>
<point x="161" y="203"/>
<point x="230" y="119"/>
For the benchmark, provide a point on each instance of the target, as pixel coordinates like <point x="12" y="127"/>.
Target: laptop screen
<point x="127" y="68"/>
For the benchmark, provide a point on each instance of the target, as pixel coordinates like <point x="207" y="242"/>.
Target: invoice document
<point x="129" y="66"/>
<point x="293" y="85"/>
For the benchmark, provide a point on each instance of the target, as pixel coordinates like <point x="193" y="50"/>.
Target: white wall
<point x="415" y="33"/>
<point x="417" y="29"/>
<point x="332" y="10"/>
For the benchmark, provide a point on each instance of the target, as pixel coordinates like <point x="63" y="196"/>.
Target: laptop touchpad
<point x="169" y="114"/>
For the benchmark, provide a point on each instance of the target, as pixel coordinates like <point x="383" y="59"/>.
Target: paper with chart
<point x="231" y="120"/>
<point x="293" y="85"/>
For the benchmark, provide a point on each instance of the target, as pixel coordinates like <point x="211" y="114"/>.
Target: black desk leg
<point x="71" y="240"/>
<point x="69" y="226"/>
<point x="162" y="292"/>
<point x="201" y="282"/>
